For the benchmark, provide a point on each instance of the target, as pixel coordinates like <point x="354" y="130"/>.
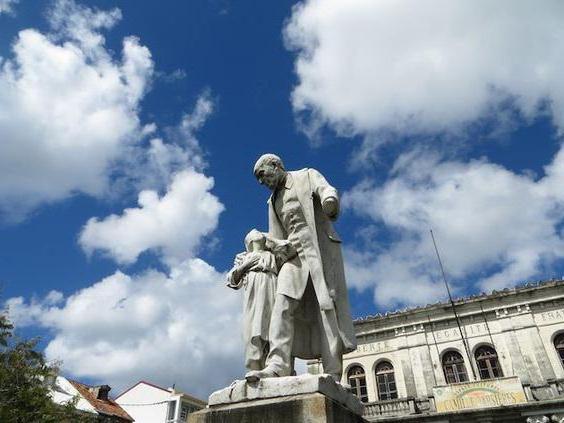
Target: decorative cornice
<point x="521" y="288"/>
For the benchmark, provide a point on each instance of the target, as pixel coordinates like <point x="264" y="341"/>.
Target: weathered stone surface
<point x="301" y="211"/>
<point x="242" y="391"/>
<point x="302" y="408"/>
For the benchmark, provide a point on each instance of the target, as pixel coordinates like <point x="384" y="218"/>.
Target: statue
<point x="256" y="271"/>
<point x="310" y="317"/>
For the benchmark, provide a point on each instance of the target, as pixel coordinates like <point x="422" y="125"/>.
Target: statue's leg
<point x="331" y="344"/>
<point x="254" y="353"/>
<point x="293" y="366"/>
<point x="281" y="334"/>
<point x="265" y="350"/>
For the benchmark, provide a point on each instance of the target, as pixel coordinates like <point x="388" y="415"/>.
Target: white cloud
<point x="179" y="328"/>
<point x="69" y="117"/>
<point x="492" y="225"/>
<point x="417" y="67"/>
<point x="191" y="123"/>
<point x="152" y="165"/>
<point x="172" y="225"/>
<point x="174" y="76"/>
<point x="6" y="6"/>
<point x="68" y="108"/>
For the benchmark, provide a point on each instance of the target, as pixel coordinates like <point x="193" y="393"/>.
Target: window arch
<point x="386" y="381"/>
<point x="559" y="345"/>
<point x="357" y="380"/>
<point x="453" y="367"/>
<point x="487" y="362"/>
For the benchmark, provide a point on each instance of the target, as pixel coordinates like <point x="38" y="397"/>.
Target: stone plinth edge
<point x="242" y="391"/>
<point x="301" y="408"/>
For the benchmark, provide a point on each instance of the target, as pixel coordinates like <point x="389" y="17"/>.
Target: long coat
<point x="325" y="265"/>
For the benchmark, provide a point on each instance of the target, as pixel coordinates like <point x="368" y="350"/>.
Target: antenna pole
<point x="487" y="325"/>
<point x="431" y="327"/>
<point x="464" y="340"/>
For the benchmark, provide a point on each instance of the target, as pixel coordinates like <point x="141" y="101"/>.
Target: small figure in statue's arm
<point x="256" y="270"/>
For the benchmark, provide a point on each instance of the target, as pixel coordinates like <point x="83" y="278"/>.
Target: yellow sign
<point x="480" y="394"/>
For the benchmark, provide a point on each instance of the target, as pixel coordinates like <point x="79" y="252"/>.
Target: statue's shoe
<point x="255" y="375"/>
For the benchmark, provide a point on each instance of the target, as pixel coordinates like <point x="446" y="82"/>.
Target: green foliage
<point x="24" y="393"/>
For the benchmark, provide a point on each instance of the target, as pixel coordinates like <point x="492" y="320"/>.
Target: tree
<point x="24" y="387"/>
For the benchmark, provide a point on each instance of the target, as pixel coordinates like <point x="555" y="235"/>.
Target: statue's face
<point x="270" y="175"/>
<point x="258" y="245"/>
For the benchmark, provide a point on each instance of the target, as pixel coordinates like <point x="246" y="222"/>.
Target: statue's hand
<point x="249" y="263"/>
<point x="239" y="258"/>
<point x="270" y="243"/>
<point x="331" y="207"/>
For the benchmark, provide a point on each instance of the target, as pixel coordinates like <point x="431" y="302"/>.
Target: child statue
<point x="256" y="270"/>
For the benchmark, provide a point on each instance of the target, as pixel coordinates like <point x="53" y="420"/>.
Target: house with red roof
<point x="150" y="403"/>
<point x="89" y="399"/>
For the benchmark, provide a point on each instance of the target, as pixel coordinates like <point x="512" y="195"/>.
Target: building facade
<point x="414" y="365"/>
<point x="150" y="403"/>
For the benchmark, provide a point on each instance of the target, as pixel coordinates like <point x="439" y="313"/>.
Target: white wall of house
<point x="143" y="393"/>
<point x="62" y="392"/>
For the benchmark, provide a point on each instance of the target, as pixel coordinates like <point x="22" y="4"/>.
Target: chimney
<point x="100" y="392"/>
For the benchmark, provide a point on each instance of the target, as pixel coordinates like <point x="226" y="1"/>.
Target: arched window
<point x="357" y="380"/>
<point x="386" y="382"/>
<point x="559" y="345"/>
<point x="453" y="366"/>
<point x="488" y="364"/>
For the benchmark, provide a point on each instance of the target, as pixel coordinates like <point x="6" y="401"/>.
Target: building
<point x="89" y="399"/>
<point x="149" y="403"/>
<point x="413" y="365"/>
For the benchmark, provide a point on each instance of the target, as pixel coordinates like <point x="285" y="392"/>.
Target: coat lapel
<point x="305" y="195"/>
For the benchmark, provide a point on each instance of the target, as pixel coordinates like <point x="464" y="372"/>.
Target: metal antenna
<point x="431" y="327"/>
<point x="487" y="324"/>
<point x="464" y="340"/>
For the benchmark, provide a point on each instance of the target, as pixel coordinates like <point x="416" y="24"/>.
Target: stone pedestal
<point x="304" y="398"/>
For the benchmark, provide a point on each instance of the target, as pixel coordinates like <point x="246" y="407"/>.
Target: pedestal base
<point x="302" y="408"/>
<point x="304" y="398"/>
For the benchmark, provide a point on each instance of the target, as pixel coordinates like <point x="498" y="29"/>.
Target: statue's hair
<point x="253" y="235"/>
<point x="268" y="158"/>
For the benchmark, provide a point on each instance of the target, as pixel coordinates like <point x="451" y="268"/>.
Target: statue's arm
<point x="283" y="250"/>
<point x="326" y="193"/>
<point x="243" y="263"/>
<point x="234" y="278"/>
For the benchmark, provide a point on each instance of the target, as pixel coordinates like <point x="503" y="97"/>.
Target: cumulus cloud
<point x="177" y="328"/>
<point x="419" y="70"/>
<point x="493" y="226"/>
<point x="190" y="124"/>
<point x="172" y="225"/>
<point x="6" y="6"/>
<point x="153" y="165"/>
<point x="68" y="108"/>
<point x="69" y="117"/>
<point x="414" y="67"/>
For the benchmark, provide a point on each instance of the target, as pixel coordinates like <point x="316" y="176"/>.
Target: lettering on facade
<point x="454" y="333"/>
<point x="480" y="394"/>
<point x="551" y="316"/>
<point x="372" y="348"/>
<point x="442" y="335"/>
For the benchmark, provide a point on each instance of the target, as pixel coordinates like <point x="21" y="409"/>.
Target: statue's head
<point x="255" y="241"/>
<point x="269" y="170"/>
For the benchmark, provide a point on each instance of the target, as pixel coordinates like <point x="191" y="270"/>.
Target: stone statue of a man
<point x="311" y="317"/>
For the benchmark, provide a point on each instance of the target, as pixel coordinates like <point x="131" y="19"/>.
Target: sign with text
<point x="479" y="394"/>
<point x="551" y="316"/>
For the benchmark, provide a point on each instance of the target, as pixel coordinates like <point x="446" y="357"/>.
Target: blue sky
<point x="129" y="131"/>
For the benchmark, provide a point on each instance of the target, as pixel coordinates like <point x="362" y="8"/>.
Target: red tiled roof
<point x="107" y="407"/>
